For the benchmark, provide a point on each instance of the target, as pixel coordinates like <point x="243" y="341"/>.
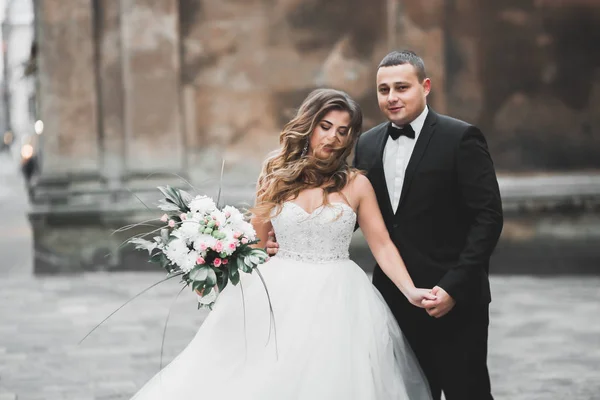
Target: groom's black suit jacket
<point x="449" y="217"/>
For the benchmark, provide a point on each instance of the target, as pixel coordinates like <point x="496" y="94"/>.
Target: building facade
<point x="136" y="93"/>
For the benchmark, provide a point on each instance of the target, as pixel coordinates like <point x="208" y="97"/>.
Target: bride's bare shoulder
<point x="359" y="180"/>
<point x="359" y="184"/>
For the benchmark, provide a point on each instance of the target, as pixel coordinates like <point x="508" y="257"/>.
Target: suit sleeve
<point x="480" y="197"/>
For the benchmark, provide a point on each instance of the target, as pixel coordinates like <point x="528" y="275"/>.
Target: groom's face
<point x="400" y="95"/>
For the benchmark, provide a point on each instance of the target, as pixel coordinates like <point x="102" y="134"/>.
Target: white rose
<point x="202" y="205"/>
<point x="246" y="229"/>
<point x="234" y="215"/>
<point x="203" y="242"/>
<point x="230" y="242"/>
<point x="189" y="261"/>
<point x="176" y="251"/>
<point x="219" y="217"/>
<point x="188" y="231"/>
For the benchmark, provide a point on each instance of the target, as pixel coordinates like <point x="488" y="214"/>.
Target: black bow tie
<point x="395" y="133"/>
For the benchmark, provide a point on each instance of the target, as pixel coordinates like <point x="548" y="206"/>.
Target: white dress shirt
<point x="396" y="156"/>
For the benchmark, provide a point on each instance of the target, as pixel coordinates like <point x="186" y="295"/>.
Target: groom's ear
<point x="426" y="85"/>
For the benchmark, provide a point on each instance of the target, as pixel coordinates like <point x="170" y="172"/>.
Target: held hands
<point x="439" y="307"/>
<point x="417" y="296"/>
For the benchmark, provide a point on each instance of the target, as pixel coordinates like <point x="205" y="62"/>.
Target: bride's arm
<point x="262" y="229"/>
<point x="381" y="245"/>
<point x="261" y="226"/>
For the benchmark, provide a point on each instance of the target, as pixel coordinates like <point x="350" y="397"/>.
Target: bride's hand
<point x="416" y="296"/>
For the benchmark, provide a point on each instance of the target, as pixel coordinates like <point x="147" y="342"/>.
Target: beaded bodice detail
<point x="321" y="236"/>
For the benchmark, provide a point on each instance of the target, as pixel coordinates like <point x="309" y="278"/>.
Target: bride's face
<point x="330" y="134"/>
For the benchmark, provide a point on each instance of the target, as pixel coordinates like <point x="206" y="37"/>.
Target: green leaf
<point x="174" y="196"/>
<point x="245" y="266"/>
<point x="164" y="261"/>
<point x="211" y="278"/>
<point x="185" y="196"/>
<point x="167" y="191"/>
<point x="199" y="273"/>
<point x="241" y="265"/>
<point x="164" y="235"/>
<point x="259" y="252"/>
<point x="180" y="199"/>
<point x="222" y="280"/>
<point x="234" y="276"/>
<point x="156" y="258"/>
<point x="259" y="256"/>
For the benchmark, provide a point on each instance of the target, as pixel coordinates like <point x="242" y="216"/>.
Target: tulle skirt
<point x="332" y="337"/>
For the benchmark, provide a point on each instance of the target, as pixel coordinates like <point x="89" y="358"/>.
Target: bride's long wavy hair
<point x="289" y="171"/>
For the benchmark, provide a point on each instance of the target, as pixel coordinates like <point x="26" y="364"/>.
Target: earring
<point x="305" y="149"/>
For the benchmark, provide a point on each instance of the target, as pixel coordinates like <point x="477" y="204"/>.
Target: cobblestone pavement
<point x="544" y="336"/>
<point x="544" y="333"/>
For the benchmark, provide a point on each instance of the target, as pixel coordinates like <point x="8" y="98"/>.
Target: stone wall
<point x="135" y="93"/>
<point x="525" y="71"/>
<point x="528" y="73"/>
<point x="182" y="84"/>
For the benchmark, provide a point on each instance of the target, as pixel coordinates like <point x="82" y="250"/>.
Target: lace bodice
<point x="321" y="236"/>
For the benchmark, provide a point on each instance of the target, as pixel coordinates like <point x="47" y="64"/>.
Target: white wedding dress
<point x="335" y="336"/>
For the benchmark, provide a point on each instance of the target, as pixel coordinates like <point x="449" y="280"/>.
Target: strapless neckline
<point x="321" y="206"/>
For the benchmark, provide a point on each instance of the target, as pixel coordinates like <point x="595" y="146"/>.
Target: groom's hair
<point x="405" y="57"/>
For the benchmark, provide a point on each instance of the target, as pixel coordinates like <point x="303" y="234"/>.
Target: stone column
<point x="109" y="93"/>
<point x="154" y="139"/>
<point x="112" y="123"/>
<point x="68" y="96"/>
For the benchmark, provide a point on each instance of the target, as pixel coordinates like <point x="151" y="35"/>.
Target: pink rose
<point x="217" y="262"/>
<point x="225" y="261"/>
<point x="227" y="214"/>
<point x="200" y="260"/>
<point x="183" y="216"/>
<point x="217" y="224"/>
<point x="232" y="246"/>
<point x="171" y="223"/>
<point x="236" y="235"/>
<point x="244" y="241"/>
<point x="218" y="247"/>
<point x="202" y="246"/>
<point x="164" y="218"/>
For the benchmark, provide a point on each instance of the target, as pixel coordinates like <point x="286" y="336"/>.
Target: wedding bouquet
<point x="207" y="246"/>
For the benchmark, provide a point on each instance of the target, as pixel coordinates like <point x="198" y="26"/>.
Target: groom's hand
<point x="272" y="245"/>
<point x="441" y="306"/>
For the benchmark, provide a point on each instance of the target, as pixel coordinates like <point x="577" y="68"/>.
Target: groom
<point x="438" y="193"/>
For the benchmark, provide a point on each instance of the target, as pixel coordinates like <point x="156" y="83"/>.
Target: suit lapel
<point x="379" y="174"/>
<point x="422" y="142"/>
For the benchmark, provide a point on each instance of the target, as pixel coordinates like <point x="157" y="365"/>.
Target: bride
<point x="334" y="336"/>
